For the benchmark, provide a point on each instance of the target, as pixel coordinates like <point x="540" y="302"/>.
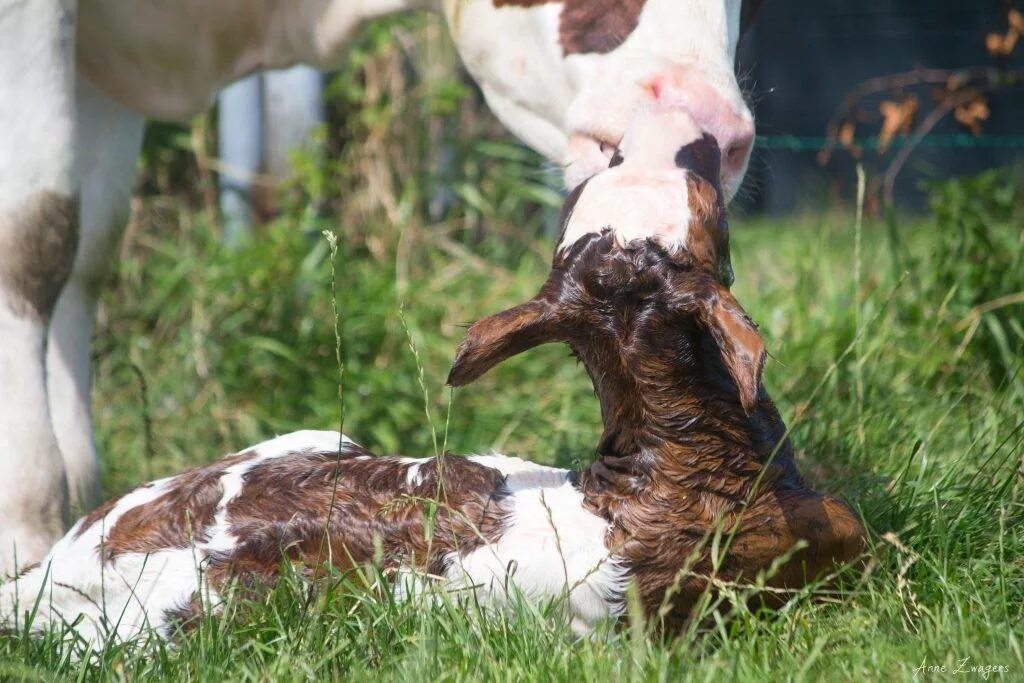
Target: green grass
<point x="207" y="351"/>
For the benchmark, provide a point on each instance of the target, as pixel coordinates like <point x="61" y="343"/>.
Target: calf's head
<point x="649" y="315"/>
<point x="567" y="76"/>
<point x="660" y="336"/>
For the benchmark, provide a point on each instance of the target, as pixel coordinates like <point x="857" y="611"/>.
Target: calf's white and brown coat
<point x="692" y="444"/>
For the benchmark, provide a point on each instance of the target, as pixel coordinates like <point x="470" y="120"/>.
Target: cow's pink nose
<point x="733" y="130"/>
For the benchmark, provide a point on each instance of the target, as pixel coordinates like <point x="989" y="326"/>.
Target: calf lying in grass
<point x="692" y="446"/>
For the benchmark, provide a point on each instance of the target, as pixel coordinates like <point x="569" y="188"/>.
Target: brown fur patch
<point x="318" y="508"/>
<point x="500" y="337"/>
<point x="185" y="617"/>
<point x="38" y="251"/>
<point x="322" y="508"/>
<point x="597" y="26"/>
<point x="703" y="237"/>
<point x="590" y="26"/>
<point x="98" y="513"/>
<point x="742" y="347"/>
<point x="178" y="518"/>
<point x="708" y="237"/>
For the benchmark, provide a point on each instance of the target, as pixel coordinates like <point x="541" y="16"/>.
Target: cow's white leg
<point x="109" y="137"/>
<point x="38" y="232"/>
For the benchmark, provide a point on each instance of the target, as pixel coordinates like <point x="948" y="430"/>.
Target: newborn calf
<point x="688" y="433"/>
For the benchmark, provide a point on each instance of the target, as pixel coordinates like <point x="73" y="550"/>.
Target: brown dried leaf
<point x="972" y="114"/>
<point x="897" y="117"/>
<point x="1016" y="19"/>
<point x="994" y="44"/>
<point x="846" y="132"/>
<point x="1010" y="41"/>
<point x="999" y="45"/>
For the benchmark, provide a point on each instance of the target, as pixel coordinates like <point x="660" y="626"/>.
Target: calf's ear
<point x="740" y="344"/>
<point x="501" y="336"/>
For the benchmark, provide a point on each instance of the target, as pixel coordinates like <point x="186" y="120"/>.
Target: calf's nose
<point x="734" y="130"/>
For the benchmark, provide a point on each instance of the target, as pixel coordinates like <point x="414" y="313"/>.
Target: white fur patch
<point x="306" y="440"/>
<point x="413" y="476"/>
<point x="551" y="548"/>
<point x="119" y="600"/>
<point x="633" y="205"/>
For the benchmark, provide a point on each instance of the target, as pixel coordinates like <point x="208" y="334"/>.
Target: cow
<point x="78" y="79"/>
